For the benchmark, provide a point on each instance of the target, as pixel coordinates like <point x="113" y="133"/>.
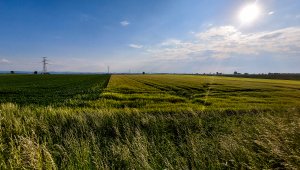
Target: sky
<point x="170" y="36"/>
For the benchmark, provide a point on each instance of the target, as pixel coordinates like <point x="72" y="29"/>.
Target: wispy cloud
<point x="207" y="25"/>
<point x="135" y="46"/>
<point x="171" y="42"/>
<point x="4" y="61"/>
<point x="226" y="41"/>
<point x="271" y="13"/>
<point x="125" y="23"/>
<point x="86" y="17"/>
<point x="191" y="32"/>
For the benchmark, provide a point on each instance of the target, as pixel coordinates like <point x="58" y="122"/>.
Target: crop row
<point x="173" y="91"/>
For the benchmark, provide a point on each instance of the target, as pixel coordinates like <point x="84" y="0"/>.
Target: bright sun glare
<point x="249" y="13"/>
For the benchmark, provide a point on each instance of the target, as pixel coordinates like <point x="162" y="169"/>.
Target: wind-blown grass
<point x="156" y="126"/>
<point x="133" y="139"/>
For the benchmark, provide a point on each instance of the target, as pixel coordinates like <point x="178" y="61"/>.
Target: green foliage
<point x="49" y="89"/>
<point x="155" y="122"/>
<point x="287" y="76"/>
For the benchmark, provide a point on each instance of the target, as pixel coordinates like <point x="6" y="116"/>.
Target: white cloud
<point x="271" y="13"/>
<point x="124" y="23"/>
<point x="218" y="32"/>
<point x="135" y="46"/>
<point x="192" y="32"/>
<point x="4" y="61"/>
<point x="171" y="42"/>
<point x="225" y="41"/>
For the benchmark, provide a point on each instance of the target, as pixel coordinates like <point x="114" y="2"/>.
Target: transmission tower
<point x="44" y="65"/>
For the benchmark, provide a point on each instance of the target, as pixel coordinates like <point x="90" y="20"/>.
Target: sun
<point x="249" y="13"/>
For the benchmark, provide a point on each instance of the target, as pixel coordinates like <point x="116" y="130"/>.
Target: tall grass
<point x="153" y="122"/>
<point x="64" y="138"/>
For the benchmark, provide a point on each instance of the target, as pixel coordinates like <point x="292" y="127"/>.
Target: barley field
<point x="148" y="122"/>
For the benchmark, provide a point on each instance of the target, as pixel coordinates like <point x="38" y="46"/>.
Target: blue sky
<point x="183" y="36"/>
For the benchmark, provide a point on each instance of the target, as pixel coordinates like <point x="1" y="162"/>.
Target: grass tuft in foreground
<point x="132" y="139"/>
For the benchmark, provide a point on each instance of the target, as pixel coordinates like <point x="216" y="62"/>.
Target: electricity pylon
<point x="45" y="65"/>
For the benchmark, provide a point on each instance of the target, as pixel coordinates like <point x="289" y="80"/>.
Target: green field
<point x="148" y="122"/>
<point x="48" y="89"/>
<point x="200" y="92"/>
